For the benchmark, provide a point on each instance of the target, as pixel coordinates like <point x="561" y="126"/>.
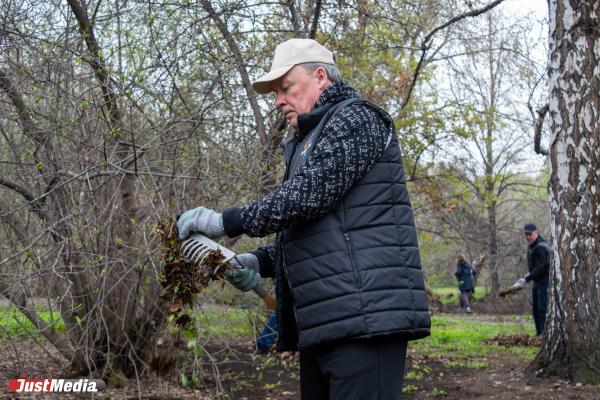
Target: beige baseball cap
<point x="288" y="54"/>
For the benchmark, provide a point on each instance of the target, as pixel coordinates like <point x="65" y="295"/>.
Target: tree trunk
<point x="493" y="249"/>
<point x="494" y="278"/>
<point x="491" y="196"/>
<point x="571" y="345"/>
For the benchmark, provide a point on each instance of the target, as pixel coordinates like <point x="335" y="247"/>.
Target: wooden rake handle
<point x="268" y="298"/>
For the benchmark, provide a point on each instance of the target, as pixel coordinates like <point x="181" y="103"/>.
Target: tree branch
<point x="425" y="44"/>
<point x="100" y="69"/>
<point x="10" y="220"/>
<point x="20" y="302"/>
<point x="295" y="18"/>
<point x="538" y="127"/>
<point x="115" y="118"/>
<point x="24" y="116"/>
<point x="260" y="125"/>
<point x="36" y="203"/>
<point x="97" y="63"/>
<point x="268" y="177"/>
<point x="315" y="22"/>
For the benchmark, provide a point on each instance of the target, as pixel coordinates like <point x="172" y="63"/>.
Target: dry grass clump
<point x="516" y="340"/>
<point x="182" y="280"/>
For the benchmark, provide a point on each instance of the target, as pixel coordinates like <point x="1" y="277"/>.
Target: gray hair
<point x="332" y="72"/>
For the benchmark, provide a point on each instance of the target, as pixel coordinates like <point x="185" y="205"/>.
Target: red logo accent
<point x="13" y="385"/>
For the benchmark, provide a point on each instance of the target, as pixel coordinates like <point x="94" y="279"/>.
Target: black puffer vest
<point x="355" y="272"/>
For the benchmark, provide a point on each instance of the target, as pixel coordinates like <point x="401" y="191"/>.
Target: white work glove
<point x="202" y="220"/>
<point x="520" y="283"/>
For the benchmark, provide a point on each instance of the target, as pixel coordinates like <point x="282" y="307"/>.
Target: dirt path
<point x="243" y="375"/>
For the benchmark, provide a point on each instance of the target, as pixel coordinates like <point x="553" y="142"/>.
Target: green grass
<point x="463" y="340"/>
<point x="212" y="321"/>
<point x="14" y="323"/>
<point x="228" y="322"/>
<point x="449" y="295"/>
<point x="409" y="388"/>
<point x="454" y="337"/>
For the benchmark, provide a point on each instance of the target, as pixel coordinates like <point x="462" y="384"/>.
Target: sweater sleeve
<point x="266" y="260"/>
<point x="352" y="142"/>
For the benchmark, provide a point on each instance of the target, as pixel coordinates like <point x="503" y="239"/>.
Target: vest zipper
<point x="354" y="262"/>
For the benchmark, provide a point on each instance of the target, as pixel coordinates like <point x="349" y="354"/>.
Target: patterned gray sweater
<point x="351" y="142"/>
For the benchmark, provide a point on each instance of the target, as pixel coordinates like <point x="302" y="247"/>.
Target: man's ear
<point x="322" y="77"/>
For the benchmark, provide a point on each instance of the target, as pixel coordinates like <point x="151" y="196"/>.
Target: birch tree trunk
<point x="572" y="345"/>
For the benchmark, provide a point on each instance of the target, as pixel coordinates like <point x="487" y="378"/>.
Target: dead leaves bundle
<point x="183" y="280"/>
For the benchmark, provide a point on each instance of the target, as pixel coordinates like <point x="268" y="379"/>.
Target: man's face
<point x="531" y="236"/>
<point x="298" y="90"/>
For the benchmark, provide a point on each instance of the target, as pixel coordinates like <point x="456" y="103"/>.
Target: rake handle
<point x="268" y="298"/>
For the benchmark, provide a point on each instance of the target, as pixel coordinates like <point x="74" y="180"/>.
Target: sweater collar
<point x="333" y="94"/>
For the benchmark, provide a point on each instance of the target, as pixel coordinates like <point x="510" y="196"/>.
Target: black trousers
<point x="539" y="295"/>
<point x="370" y="369"/>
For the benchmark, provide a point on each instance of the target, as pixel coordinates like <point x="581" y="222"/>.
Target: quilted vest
<point x="355" y="272"/>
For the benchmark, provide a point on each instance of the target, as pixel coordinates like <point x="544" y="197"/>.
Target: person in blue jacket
<point x="465" y="274"/>
<point x="268" y="335"/>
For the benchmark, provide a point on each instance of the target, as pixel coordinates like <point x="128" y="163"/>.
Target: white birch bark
<point x="572" y="343"/>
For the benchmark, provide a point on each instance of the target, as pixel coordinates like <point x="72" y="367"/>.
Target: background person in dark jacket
<point x="538" y="262"/>
<point x="464" y="274"/>
<point x="350" y="289"/>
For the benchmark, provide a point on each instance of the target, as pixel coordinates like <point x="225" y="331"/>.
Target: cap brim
<point x="264" y="84"/>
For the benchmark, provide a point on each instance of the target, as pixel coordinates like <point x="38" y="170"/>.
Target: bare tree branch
<point x="20" y="302"/>
<point x="538" y="127"/>
<point x="97" y="63"/>
<point x="315" y="22"/>
<point x="24" y="115"/>
<point x="115" y="120"/>
<point x="19" y="189"/>
<point x="35" y="203"/>
<point x="425" y="44"/>
<point x="234" y="48"/>
<point x="295" y="18"/>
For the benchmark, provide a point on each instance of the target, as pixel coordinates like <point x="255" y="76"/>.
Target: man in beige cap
<point x="350" y="290"/>
<point x="296" y="89"/>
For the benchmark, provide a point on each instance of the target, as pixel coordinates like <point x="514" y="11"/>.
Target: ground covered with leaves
<point x="467" y="357"/>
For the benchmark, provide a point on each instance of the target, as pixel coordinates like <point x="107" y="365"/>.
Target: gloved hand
<point x="243" y="278"/>
<point x="245" y="260"/>
<point x="520" y="283"/>
<point x="202" y="220"/>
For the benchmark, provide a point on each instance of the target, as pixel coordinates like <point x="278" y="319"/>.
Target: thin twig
<point x="425" y="44"/>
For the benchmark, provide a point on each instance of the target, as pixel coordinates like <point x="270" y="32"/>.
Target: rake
<point x="197" y="247"/>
